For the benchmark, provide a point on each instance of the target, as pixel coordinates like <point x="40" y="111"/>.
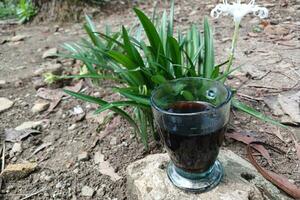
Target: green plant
<point x="139" y="66"/>
<point x="25" y="10"/>
<point x="7" y="9"/>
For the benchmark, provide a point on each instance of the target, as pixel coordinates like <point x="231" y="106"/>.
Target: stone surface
<point x="147" y="180"/>
<point x="87" y="191"/>
<point x="29" y="125"/>
<point x="5" y="104"/>
<point x="40" y="106"/>
<point x="50" y="53"/>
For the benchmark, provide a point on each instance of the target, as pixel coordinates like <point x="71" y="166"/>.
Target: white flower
<point x="239" y="10"/>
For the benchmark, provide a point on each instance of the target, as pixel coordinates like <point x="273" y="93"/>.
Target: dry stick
<point x="3" y="156"/>
<point x="249" y="97"/>
<point x="33" y="194"/>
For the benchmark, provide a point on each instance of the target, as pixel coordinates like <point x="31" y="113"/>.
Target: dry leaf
<point x="247" y="139"/>
<point x="290" y="105"/>
<point x="12" y="135"/>
<point x="278" y="180"/>
<point x="106" y="169"/>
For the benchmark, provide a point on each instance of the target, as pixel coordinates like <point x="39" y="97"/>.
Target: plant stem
<point x="233" y="46"/>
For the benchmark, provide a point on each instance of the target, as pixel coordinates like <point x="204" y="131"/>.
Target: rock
<point x="87" y="191"/>
<point x="40" y="106"/>
<point x="2" y="83"/>
<point x="83" y="156"/>
<point x="18" y="38"/>
<point x="18" y="171"/>
<point x="29" y="125"/>
<point x="17" y="148"/>
<point x="5" y="104"/>
<point x="113" y="141"/>
<point x="54" y="68"/>
<point x="50" y="53"/>
<point x="98" y="157"/>
<point x="72" y="127"/>
<point x="146" y="180"/>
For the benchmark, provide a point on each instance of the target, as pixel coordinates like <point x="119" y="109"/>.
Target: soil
<point x="270" y="59"/>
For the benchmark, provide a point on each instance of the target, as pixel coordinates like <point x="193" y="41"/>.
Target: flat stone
<point x="40" y="106"/>
<point x="83" y="156"/>
<point x="146" y="180"/>
<point x="2" y="83"/>
<point x="54" y="68"/>
<point x="17" y="38"/>
<point x="87" y="191"/>
<point x="98" y="157"/>
<point x="5" y="104"/>
<point x="18" y="171"/>
<point x="50" y="53"/>
<point x="17" y="147"/>
<point x="29" y="125"/>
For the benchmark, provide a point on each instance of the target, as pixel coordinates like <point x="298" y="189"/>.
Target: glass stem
<point x="233" y="46"/>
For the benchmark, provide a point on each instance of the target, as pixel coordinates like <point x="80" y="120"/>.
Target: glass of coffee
<point x="191" y="115"/>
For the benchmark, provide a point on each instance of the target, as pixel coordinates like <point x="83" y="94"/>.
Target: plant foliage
<point x="140" y="65"/>
<point x="25" y="10"/>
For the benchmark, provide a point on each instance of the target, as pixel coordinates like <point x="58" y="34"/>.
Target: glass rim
<point x="153" y="104"/>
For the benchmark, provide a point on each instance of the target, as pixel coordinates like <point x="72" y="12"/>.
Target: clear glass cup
<point x="191" y="115"/>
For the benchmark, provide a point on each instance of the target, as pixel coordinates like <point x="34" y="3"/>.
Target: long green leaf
<point x="243" y="107"/>
<point x="209" y="57"/>
<point x="102" y="103"/>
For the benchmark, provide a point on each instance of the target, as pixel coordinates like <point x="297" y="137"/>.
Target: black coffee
<point x="192" y="141"/>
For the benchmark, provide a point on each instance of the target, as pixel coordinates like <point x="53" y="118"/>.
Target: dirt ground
<point x="270" y="55"/>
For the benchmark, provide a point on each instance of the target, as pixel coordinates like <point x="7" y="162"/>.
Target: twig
<point x="3" y="156"/>
<point x="250" y="97"/>
<point x="33" y="194"/>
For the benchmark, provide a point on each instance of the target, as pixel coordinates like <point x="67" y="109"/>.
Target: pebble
<point x="17" y="148"/>
<point x="2" y="83"/>
<point x="18" y="38"/>
<point x="72" y="127"/>
<point x="5" y="104"/>
<point x="87" y="191"/>
<point x="113" y="141"/>
<point x="50" y="53"/>
<point x="98" y="157"/>
<point x="59" y="185"/>
<point x="29" y="125"/>
<point x="40" y="106"/>
<point x="83" y="156"/>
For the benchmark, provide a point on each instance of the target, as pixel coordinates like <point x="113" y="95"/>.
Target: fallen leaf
<point x="247" y="139"/>
<point x="76" y="88"/>
<point x="12" y="135"/>
<point x="55" y="95"/>
<point x="278" y="180"/>
<point x="106" y="169"/>
<point x="50" y="94"/>
<point x="40" y="148"/>
<point x="290" y="105"/>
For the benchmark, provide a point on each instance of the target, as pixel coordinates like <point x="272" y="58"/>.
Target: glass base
<point x="196" y="182"/>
